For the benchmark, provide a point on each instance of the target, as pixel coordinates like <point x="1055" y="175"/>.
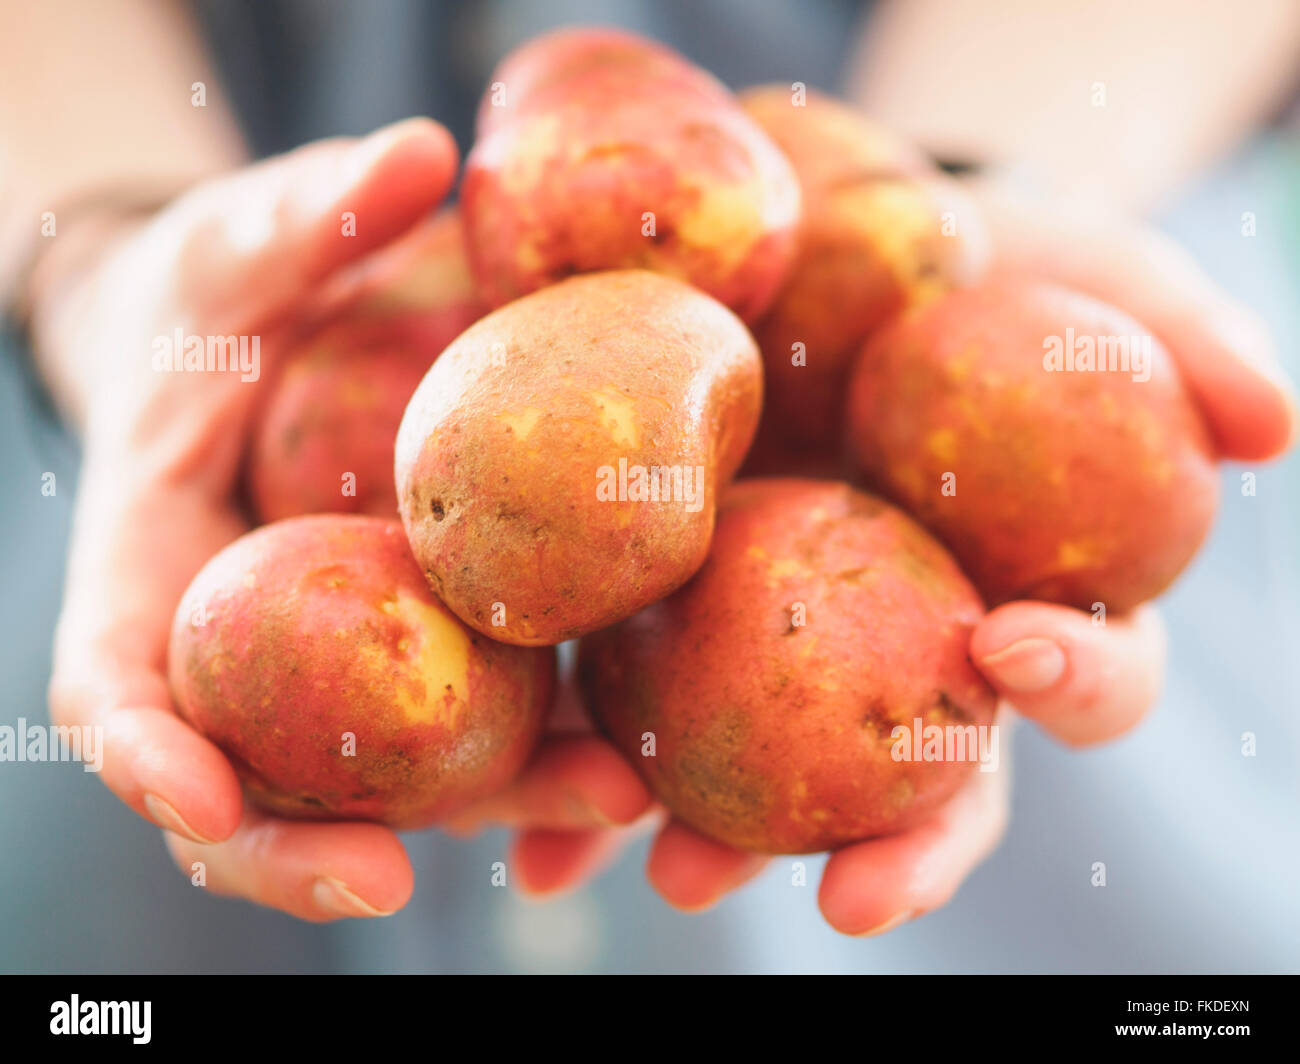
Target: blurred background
<point x="1201" y="844"/>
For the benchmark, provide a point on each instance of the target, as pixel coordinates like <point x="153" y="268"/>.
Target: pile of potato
<point x="554" y="386"/>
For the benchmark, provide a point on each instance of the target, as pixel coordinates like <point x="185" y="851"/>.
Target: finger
<point x="313" y="871"/>
<point x="573" y="781"/>
<point x="1223" y="351"/>
<point x="252" y="244"/>
<point x="131" y="558"/>
<point x="1083" y="682"/>
<point x="874" y="886"/>
<point x="151" y="505"/>
<point x="548" y="863"/>
<point x="693" y="873"/>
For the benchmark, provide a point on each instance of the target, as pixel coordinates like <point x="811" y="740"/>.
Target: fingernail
<point x="367" y="151"/>
<point x="165" y="816"/>
<point x="1026" y="666"/>
<point x="889" y="925"/>
<point x="336" y="175"/>
<point x="330" y="894"/>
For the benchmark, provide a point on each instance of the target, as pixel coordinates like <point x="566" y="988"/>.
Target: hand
<point x="1081" y="683"/>
<point x="574" y="806"/>
<point x="248" y="254"/>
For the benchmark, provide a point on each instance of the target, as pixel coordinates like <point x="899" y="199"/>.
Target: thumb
<point x="134" y="549"/>
<point x="249" y="246"/>
<point x="1224" y="353"/>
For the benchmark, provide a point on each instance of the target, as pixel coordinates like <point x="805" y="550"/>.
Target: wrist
<point x="72" y="235"/>
<point x="58" y="300"/>
<point x="54" y="294"/>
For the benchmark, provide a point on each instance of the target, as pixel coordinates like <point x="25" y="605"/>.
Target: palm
<point x="241" y="256"/>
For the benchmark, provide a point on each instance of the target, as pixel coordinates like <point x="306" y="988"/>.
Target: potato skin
<point x="773" y="736"/>
<point x="530" y="75"/>
<point x="871" y="243"/>
<point x="1074" y="487"/>
<point x="507" y="443"/>
<point x="335" y="410"/>
<point x="560" y="182"/>
<point x="335" y="406"/>
<point x="424" y="273"/>
<point x="323" y="625"/>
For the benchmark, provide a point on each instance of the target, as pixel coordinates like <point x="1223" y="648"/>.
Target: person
<point x="162" y="221"/>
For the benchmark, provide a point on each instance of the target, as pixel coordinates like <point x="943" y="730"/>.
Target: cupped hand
<point x="1081" y="681"/>
<point x="247" y="254"/>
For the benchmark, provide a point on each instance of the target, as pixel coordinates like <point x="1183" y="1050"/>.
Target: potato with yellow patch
<point x="323" y="440"/>
<point x="881" y="231"/>
<point x="558" y="467"/>
<point x="425" y="274"/>
<point x="312" y="653"/>
<point x="613" y="152"/>
<point x="780" y="683"/>
<point x="1045" y="436"/>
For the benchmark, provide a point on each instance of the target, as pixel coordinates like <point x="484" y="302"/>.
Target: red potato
<point x="778" y="685"/>
<point x="426" y="274"/>
<point x="312" y="653"/>
<point x="622" y="155"/>
<point x="1068" y="484"/>
<point x="773" y="454"/>
<point x="558" y="467"/>
<point x="525" y="78"/>
<point x="881" y="231"/>
<point x="323" y="442"/>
